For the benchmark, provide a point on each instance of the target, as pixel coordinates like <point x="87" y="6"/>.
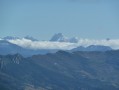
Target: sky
<point x="92" y="19"/>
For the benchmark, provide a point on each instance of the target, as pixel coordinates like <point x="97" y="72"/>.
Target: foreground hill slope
<point x="61" y="71"/>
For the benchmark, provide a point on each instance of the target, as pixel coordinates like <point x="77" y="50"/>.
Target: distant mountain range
<point x="14" y="38"/>
<point x="61" y="71"/>
<point x="95" y="67"/>
<point x="10" y="38"/>
<point x="8" y="47"/>
<point x="92" y="48"/>
<point x="56" y="38"/>
<point x="61" y="38"/>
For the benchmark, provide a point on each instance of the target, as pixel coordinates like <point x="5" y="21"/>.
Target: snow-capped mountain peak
<point x="30" y="38"/>
<point x="74" y="40"/>
<point x="59" y="38"/>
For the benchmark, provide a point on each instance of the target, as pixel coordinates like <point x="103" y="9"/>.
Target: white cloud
<point x="114" y="43"/>
<point x="42" y="44"/>
<point x="64" y="45"/>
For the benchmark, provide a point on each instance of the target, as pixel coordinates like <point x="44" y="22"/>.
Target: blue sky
<point x="93" y="19"/>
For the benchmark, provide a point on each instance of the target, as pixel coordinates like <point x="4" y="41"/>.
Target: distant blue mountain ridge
<point x="7" y="47"/>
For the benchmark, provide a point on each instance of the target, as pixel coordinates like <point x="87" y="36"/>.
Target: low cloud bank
<point x="43" y="44"/>
<point x="114" y="43"/>
<point x="64" y="45"/>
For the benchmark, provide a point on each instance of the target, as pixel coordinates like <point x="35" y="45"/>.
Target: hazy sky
<point x="93" y="19"/>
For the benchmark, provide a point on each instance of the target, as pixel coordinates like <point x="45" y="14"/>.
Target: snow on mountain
<point x="61" y="38"/>
<point x="15" y="38"/>
<point x="30" y="46"/>
<point x="59" y="41"/>
<point x="74" y="40"/>
<point x="10" y="38"/>
<point x="30" y="38"/>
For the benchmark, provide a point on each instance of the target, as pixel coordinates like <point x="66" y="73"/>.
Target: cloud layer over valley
<point x="114" y="43"/>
